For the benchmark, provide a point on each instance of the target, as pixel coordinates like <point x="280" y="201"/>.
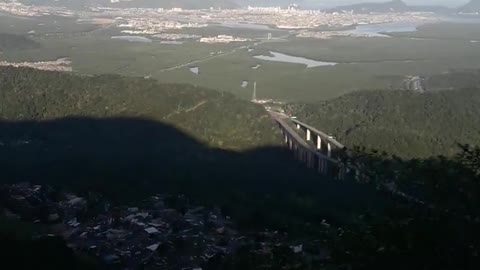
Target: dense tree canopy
<point x="402" y="123"/>
<point x="215" y="118"/>
<point x="437" y="229"/>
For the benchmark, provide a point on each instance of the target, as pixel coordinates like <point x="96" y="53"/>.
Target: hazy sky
<point x="411" y="2"/>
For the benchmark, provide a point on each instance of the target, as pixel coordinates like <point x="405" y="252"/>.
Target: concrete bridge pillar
<point x="298" y="126"/>
<point x="329" y="148"/>
<point x="286" y="138"/>
<point x="309" y="135"/>
<point x="319" y="143"/>
<point x="320" y="165"/>
<point x="310" y="159"/>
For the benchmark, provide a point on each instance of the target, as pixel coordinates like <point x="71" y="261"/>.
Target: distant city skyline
<point x="451" y="3"/>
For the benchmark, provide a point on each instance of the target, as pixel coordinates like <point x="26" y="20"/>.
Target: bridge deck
<point x="295" y="136"/>
<point x="321" y="134"/>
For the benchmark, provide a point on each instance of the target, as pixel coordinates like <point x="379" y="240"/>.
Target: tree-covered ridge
<point x="16" y="42"/>
<point x="403" y="123"/>
<point x="213" y="117"/>
<point x="440" y="224"/>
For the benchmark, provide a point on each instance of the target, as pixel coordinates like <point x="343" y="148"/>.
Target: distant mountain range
<point x="394" y="5"/>
<point x="471" y="7"/>
<point x="391" y="6"/>
<point x="187" y="4"/>
<point x="190" y="4"/>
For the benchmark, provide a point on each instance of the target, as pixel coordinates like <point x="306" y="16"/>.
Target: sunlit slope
<point x="403" y="123"/>
<point x="216" y="118"/>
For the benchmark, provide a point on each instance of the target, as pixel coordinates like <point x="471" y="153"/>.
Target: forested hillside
<point x="115" y="136"/>
<point x="403" y="123"/>
<point x="212" y="117"/>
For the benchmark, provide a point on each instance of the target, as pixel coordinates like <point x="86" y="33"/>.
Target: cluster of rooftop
<point x="161" y="232"/>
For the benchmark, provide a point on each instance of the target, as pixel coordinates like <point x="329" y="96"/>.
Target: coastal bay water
<point x="280" y="57"/>
<point x="378" y="30"/>
<point x="133" y="39"/>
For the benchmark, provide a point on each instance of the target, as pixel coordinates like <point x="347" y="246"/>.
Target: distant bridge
<point x="318" y="150"/>
<point x="323" y="153"/>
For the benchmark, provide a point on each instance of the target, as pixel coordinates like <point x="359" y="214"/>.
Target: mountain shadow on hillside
<point x="130" y="158"/>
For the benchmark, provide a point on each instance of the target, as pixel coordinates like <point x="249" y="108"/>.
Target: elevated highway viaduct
<point x="318" y="150"/>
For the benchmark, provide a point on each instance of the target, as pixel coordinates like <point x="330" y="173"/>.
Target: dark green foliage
<point x="470" y="158"/>
<point x="16" y="42"/>
<point x="402" y="123"/>
<point x="27" y="246"/>
<point x="440" y="233"/>
<point x="215" y="118"/>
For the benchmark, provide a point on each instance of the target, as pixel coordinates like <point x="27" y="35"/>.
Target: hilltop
<point x="390" y="6"/>
<point x="471" y="7"/>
